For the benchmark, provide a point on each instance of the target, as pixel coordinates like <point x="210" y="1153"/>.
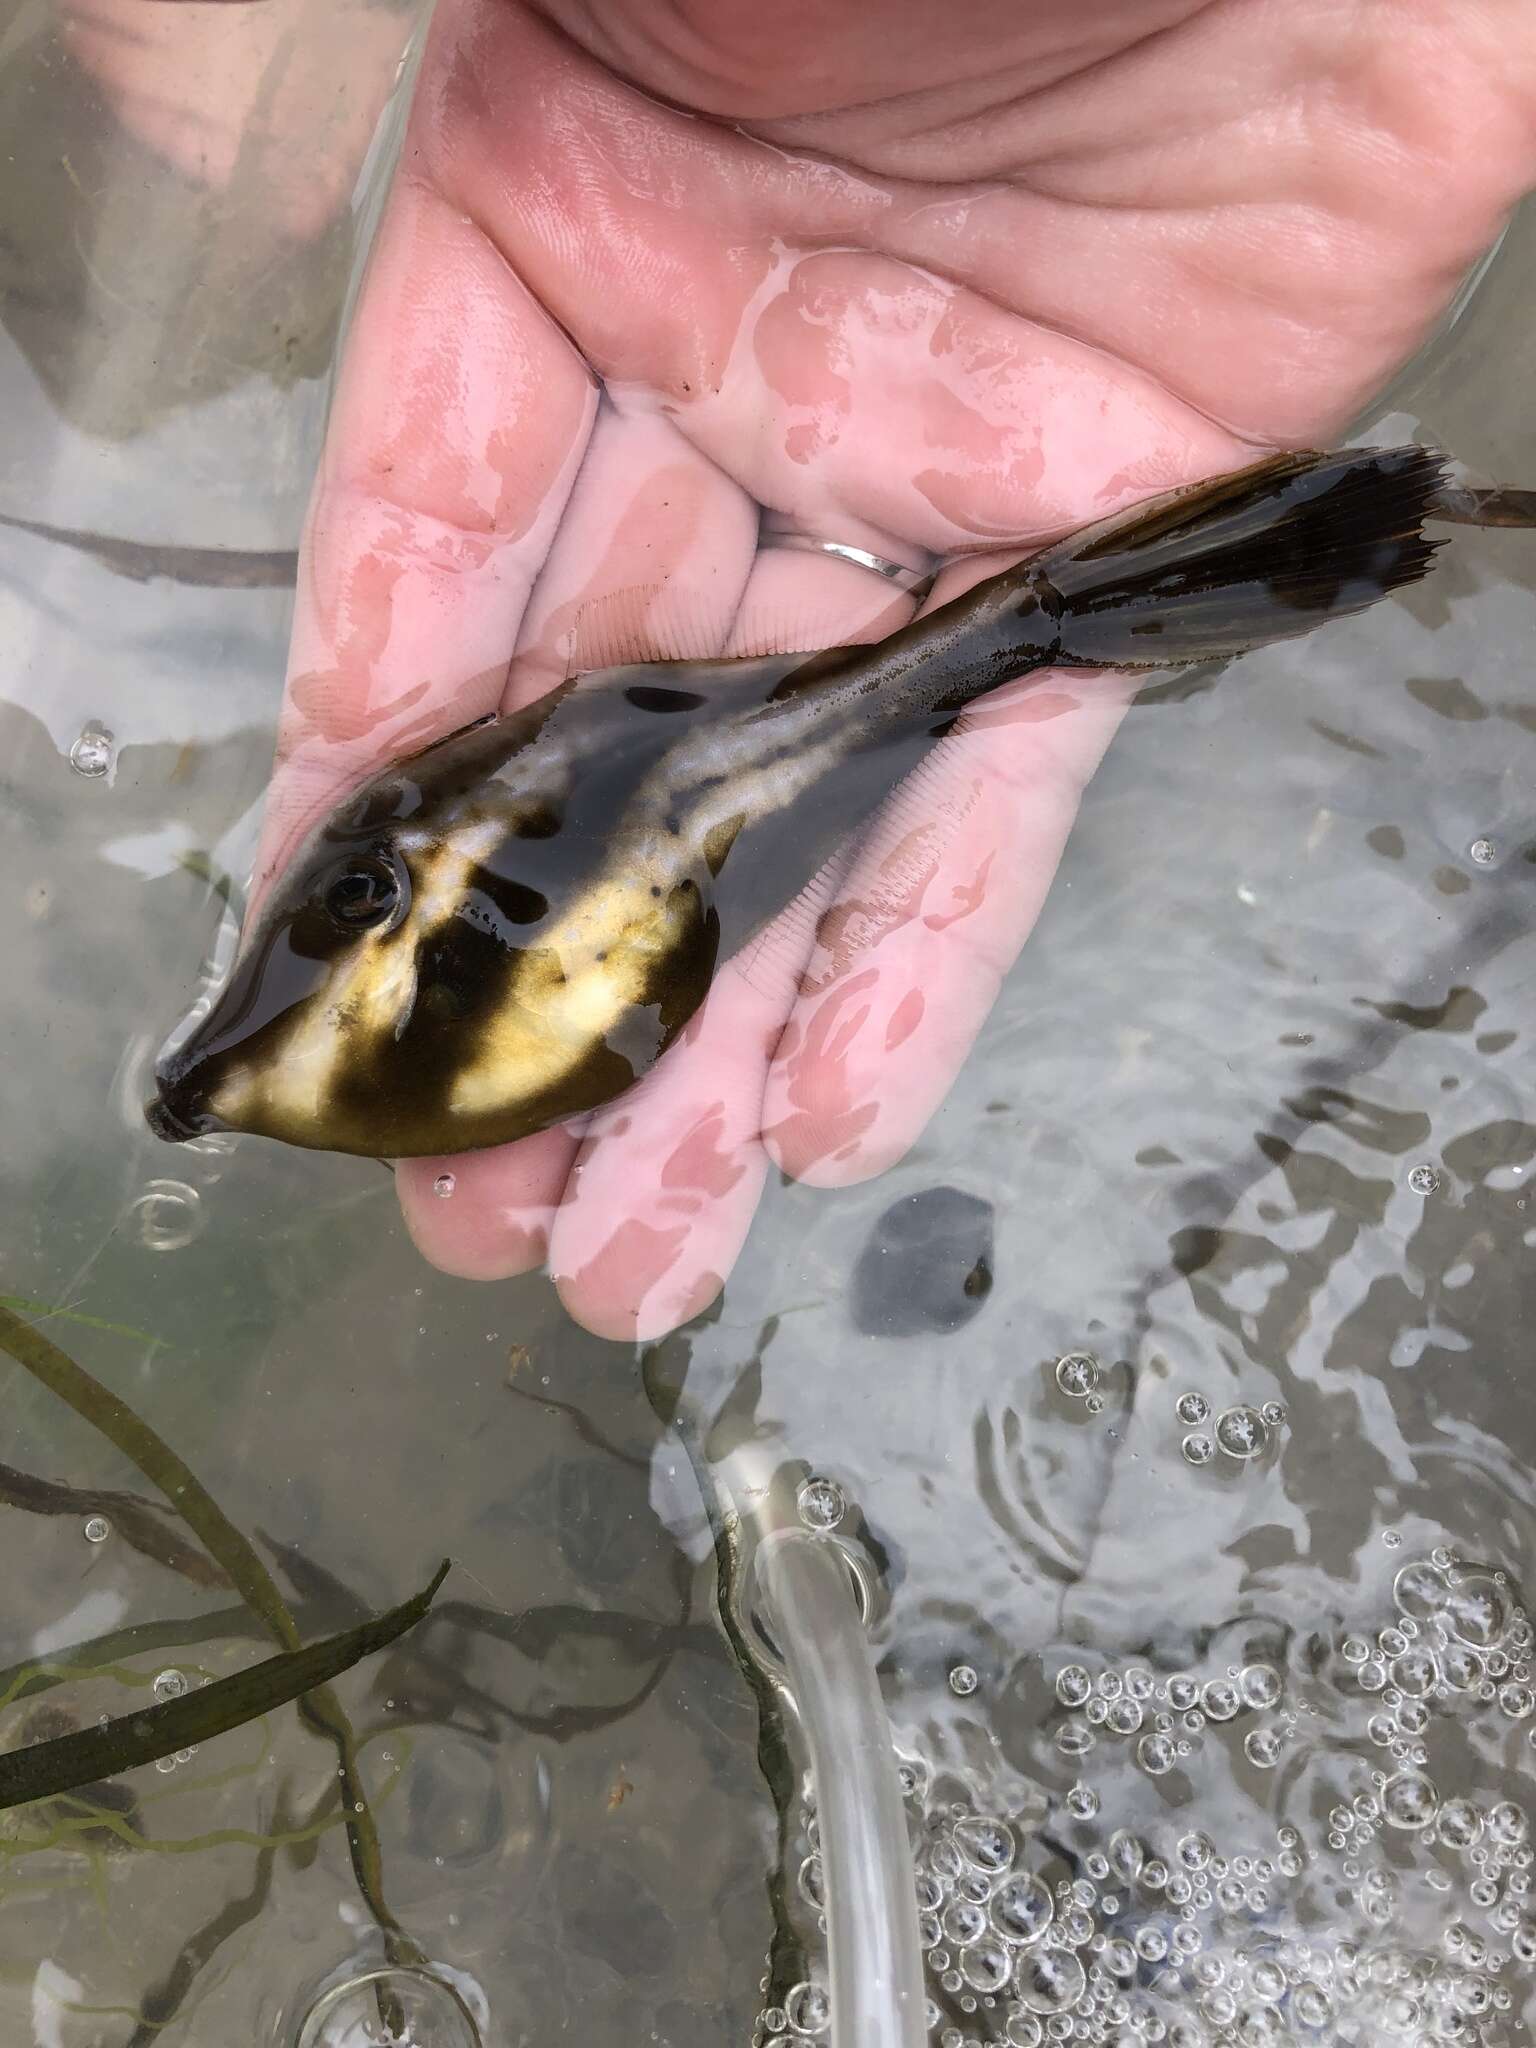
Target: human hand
<point x="923" y="283"/>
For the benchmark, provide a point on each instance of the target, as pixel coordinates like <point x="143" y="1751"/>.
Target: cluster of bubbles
<point x="1079" y="1376"/>
<point x="1239" y="1432"/>
<point x="1395" y="1914"/>
<point x="1166" y="1716"/>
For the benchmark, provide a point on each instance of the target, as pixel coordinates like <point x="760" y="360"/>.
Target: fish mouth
<point x="175" y="1126"/>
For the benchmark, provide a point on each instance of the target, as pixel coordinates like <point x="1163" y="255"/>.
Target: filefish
<point x="509" y="928"/>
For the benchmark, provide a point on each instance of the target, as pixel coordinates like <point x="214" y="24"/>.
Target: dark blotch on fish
<point x="927" y="1267"/>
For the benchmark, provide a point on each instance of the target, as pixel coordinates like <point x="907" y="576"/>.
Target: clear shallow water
<point x="1271" y="986"/>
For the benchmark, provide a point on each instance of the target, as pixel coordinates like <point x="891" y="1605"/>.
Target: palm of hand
<point x="950" y="292"/>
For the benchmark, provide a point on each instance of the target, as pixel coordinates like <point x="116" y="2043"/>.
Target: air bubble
<point x="1507" y="1823"/>
<point x="94" y="752"/>
<point x="1241" y="1432"/>
<point x="1483" y="853"/>
<point x="984" y="1842"/>
<point x="964" y="1922"/>
<point x="1423" y="1179"/>
<point x="1261" y="1685"/>
<point x="986" y="1966"/>
<point x="1198" y="1449"/>
<point x="1156" y="1754"/>
<point x="1517" y="1701"/>
<point x="1022" y="1909"/>
<point x="1409" y="1800"/>
<point x="443" y="1186"/>
<point x="1262" y="1747"/>
<point x="1073" y="1685"/>
<point x="822" y="1503"/>
<point x="1050" y="1982"/>
<point x="1478" y="1610"/>
<point x="807" y="2009"/>
<point x="170" y="1684"/>
<point x="1221" y="1699"/>
<point x="1192" y="1409"/>
<point x="1414" y="1672"/>
<point x="1077" y="1374"/>
<point x="167" y="1214"/>
<point x="1082" y="1802"/>
<point x="96" y="1529"/>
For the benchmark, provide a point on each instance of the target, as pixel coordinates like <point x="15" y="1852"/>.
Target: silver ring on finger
<point x="899" y="573"/>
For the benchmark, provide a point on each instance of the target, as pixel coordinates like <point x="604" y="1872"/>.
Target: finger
<point x="460" y="421"/>
<point x="662" y="1196"/>
<point x="649" y="562"/>
<point x="653" y="550"/>
<point x="486" y="1215"/>
<point x="667" y="1183"/>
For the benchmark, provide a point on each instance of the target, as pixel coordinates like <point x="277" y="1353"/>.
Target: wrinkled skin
<point x="925" y="279"/>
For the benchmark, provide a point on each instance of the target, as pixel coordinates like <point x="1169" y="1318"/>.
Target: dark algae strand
<point x="509" y="928"/>
<point x="45" y="1769"/>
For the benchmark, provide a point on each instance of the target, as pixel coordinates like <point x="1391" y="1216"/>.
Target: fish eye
<point x="365" y="893"/>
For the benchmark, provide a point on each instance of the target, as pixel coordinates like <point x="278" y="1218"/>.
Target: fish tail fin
<point x="1271" y="551"/>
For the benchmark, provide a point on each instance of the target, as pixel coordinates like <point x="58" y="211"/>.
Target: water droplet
<point x="94" y="752"/>
<point x="822" y="1503"/>
<point x="1423" y="1179"/>
<point x="97" y="1529"/>
<point x="170" y="1684"/>
<point x="1077" y="1374"/>
<point x="1192" y="1409"/>
<point x="166" y="1214"/>
<point x="1198" y="1449"/>
<point x="963" y="1680"/>
<point x="1483" y="852"/>
<point x="443" y="1186"/>
<point x="1241" y="1432"/>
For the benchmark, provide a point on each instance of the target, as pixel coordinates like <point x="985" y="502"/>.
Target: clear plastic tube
<point x="805" y="1601"/>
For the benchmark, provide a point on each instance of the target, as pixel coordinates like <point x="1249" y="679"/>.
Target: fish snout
<point x="176" y="1113"/>
<point x="175" y="1126"/>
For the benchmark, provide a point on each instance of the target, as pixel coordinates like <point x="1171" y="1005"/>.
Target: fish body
<point x="509" y="928"/>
